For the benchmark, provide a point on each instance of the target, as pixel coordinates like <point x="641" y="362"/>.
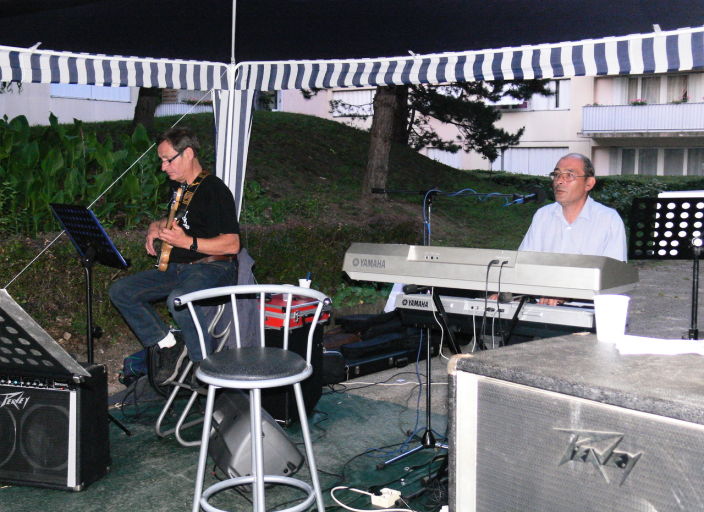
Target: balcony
<point x="675" y="119"/>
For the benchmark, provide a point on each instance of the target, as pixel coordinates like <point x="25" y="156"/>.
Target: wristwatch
<point x="194" y="245"/>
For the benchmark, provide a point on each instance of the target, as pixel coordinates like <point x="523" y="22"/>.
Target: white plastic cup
<point x="304" y="283"/>
<point x="611" y="312"/>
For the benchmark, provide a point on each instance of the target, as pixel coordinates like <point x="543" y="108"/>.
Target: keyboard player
<point x="575" y="223"/>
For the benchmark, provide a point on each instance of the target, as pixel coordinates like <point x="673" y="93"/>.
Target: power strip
<point x="387" y="498"/>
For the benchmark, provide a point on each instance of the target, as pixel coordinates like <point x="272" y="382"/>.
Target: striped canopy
<point x="233" y="86"/>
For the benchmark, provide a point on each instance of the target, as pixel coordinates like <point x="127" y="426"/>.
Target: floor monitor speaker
<point x="230" y="439"/>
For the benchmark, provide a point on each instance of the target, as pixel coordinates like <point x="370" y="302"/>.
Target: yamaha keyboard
<point x="573" y="276"/>
<point x="573" y="315"/>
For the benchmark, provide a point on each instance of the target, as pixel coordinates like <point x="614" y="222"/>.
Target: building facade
<point x="91" y="103"/>
<point x="651" y="125"/>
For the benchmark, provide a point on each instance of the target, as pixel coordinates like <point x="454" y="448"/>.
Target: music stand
<point x="670" y="228"/>
<point x="92" y="244"/>
<point x="27" y="350"/>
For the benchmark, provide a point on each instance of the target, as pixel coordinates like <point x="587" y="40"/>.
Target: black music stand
<point x="670" y="228"/>
<point x="93" y="244"/>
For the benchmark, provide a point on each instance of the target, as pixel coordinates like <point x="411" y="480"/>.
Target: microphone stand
<point x="428" y="438"/>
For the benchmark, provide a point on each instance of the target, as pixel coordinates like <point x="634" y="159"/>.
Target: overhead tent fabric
<point x="233" y="86"/>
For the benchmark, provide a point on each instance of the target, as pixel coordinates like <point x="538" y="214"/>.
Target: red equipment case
<point x="302" y="311"/>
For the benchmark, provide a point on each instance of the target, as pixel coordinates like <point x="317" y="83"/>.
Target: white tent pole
<point x="234" y="18"/>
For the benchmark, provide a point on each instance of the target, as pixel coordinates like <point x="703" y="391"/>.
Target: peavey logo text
<point x="17" y="400"/>
<point x="369" y="262"/>
<point x="600" y="450"/>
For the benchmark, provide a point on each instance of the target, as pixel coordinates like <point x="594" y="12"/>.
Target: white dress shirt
<point x="598" y="230"/>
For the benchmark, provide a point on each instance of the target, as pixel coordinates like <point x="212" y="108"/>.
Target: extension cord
<point x="387" y="498"/>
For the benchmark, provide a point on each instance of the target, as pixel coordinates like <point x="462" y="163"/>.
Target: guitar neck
<point x="165" y="247"/>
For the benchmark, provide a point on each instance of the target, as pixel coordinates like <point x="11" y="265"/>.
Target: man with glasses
<point x="575" y="223"/>
<point x="204" y="241"/>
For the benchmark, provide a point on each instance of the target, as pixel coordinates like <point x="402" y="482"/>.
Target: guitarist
<point x="199" y="245"/>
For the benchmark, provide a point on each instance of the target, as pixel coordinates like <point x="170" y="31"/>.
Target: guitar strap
<point x="188" y="194"/>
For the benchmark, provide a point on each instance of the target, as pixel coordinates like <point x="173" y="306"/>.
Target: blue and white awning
<point x="659" y="52"/>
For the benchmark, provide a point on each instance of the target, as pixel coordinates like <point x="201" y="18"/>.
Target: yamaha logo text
<point x="416" y="303"/>
<point x="17" y="400"/>
<point x="369" y="262"/>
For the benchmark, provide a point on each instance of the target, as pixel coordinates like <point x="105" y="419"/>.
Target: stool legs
<point x="257" y="447"/>
<point x="310" y="458"/>
<point x="255" y="415"/>
<point x="203" y="455"/>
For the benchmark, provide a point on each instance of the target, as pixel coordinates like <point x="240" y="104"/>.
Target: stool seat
<point x="251" y="363"/>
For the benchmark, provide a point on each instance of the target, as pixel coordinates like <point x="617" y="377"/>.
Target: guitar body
<point x="165" y="253"/>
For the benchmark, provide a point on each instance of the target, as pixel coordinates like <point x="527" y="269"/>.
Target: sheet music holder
<point x="88" y="235"/>
<point x="670" y="228"/>
<point x="92" y="244"/>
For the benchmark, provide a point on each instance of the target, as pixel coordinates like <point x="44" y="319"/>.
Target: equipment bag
<point x="133" y="367"/>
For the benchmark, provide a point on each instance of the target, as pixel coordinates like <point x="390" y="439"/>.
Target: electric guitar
<point x="166" y="248"/>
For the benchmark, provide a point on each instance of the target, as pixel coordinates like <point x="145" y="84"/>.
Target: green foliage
<point x="353" y="295"/>
<point x="286" y="252"/>
<point x="69" y="164"/>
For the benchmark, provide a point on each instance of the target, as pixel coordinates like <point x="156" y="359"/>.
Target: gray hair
<point x="588" y="165"/>
<point x="180" y="138"/>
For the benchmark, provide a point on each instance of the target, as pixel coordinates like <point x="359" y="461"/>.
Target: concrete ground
<point x="660" y="307"/>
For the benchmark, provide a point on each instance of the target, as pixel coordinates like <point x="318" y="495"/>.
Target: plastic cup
<point x="611" y="313"/>
<point x="304" y="283"/>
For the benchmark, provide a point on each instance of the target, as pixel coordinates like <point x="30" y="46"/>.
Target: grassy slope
<point x="293" y="155"/>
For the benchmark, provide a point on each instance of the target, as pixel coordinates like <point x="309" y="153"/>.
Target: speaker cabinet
<point x="281" y="402"/>
<point x="54" y="434"/>
<point x="568" y="425"/>
<point x="231" y="440"/>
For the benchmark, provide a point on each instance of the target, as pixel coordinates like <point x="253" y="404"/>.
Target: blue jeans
<point x="134" y="296"/>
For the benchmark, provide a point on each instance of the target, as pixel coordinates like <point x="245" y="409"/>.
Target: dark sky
<point x="299" y="29"/>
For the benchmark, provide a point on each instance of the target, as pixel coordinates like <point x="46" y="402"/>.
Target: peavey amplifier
<point x="54" y="433"/>
<point x="53" y="411"/>
<point x="569" y="425"/>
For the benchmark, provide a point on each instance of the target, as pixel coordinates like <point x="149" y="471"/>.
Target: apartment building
<point x="652" y="125"/>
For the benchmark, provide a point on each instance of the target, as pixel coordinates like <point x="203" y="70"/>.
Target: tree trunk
<point x="380" y="142"/>
<point x="147" y="101"/>
<point x="401" y="128"/>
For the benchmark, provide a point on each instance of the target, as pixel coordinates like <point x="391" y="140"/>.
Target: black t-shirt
<point x="210" y="213"/>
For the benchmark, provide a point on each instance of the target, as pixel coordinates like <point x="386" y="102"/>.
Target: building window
<point x="661" y="161"/>
<point x="648" y="162"/>
<point x="353" y="103"/>
<point x="628" y="161"/>
<point x="91" y="92"/>
<point x="536" y="161"/>
<point x="695" y="162"/>
<point x="560" y="100"/>
<point x="673" y="164"/>
<point x="654" y="90"/>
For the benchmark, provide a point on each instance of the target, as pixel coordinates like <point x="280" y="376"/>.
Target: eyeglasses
<point x="567" y="176"/>
<point x="169" y="160"/>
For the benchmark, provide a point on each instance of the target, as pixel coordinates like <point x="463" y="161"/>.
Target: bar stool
<point x="255" y="368"/>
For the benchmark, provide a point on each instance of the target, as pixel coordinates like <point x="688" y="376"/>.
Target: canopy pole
<point x="234" y="17"/>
